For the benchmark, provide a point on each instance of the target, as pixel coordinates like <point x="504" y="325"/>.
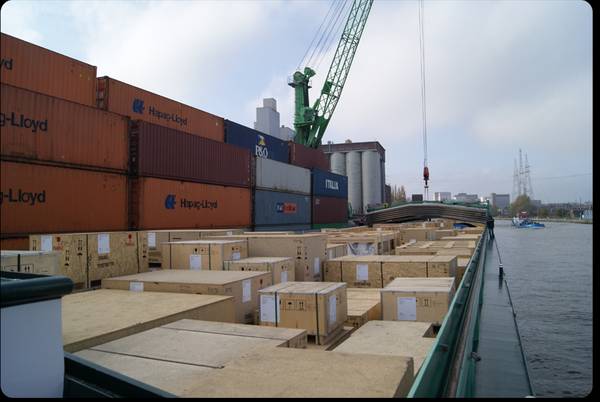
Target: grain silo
<point x="371" y="179"/>
<point x="354" y="173"/>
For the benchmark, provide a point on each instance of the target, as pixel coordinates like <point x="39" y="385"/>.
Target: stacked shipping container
<point x="329" y="198"/>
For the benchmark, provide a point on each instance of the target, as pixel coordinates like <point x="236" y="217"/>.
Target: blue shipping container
<point x="278" y="208"/>
<point x="260" y="144"/>
<point x="283" y="228"/>
<point x="327" y="184"/>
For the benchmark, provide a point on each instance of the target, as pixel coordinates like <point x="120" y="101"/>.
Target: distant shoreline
<point x="585" y="221"/>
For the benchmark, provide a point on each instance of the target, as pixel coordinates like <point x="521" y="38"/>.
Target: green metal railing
<point x="449" y="368"/>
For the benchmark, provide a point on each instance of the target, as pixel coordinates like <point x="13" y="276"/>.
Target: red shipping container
<point x="170" y="204"/>
<point x="45" y="128"/>
<point x="308" y="157"/>
<point x="329" y="210"/>
<point x="14" y="243"/>
<point x="127" y="100"/>
<point x="48" y="199"/>
<point x="32" y="67"/>
<point x="158" y="151"/>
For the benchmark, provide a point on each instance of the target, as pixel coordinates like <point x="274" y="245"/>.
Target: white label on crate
<point x="151" y="240"/>
<point x="103" y="243"/>
<point x="332" y="309"/>
<point x="246" y="290"/>
<point x="330" y="254"/>
<point x="267" y="308"/>
<point x="407" y="308"/>
<point x="283" y="276"/>
<point x="46" y="243"/>
<point x="362" y="272"/>
<point x="235" y="256"/>
<point x="230" y="233"/>
<point x="317" y="266"/>
<point x="136" y="286"/>
<point x="195" y="262"/>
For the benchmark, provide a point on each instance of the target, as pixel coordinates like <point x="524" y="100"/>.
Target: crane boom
<point x="311" y="122"/>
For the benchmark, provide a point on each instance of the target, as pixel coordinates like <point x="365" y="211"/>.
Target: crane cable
<point x="315" y="37"/>
<point x="326" y="32"/>
<point x="326" y="24"/>
<point x="423" y="98"/>
<point x="335" y="29"/>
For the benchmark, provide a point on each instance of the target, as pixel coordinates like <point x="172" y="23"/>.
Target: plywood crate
<point x="111" y="254"/>
<point x="31" y="262"/>
<point x="98" y="316"/>
<point x="362" y="271"/>
<point x="243" y="286"/>
<point x="443" y="266"/>
<point x="202" y="254"/>
<point x="417" y="299"/>
<point x="332" y="270"/>
<point x="318" y="307"/>
<point x="143" y="252"/>
<point x="472" y="237"/>
<point x="417" y="234"/>
<point x="336" y="250"/>
<point x="439" y="233"/>
<point x="457" y="252"/>
<point x="307" y="250"/>
<point x="282" y="269"/>
<point x="403" y="266"/>
<point x="72" y="254"/>
<point x="364" y="304"/>
<point x="382" y="338"/>
<point x="287" y="372"/>
<point x="461" y="266"/>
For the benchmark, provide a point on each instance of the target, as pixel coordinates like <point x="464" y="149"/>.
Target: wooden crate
<point x="364" y="304"/>
<point x="417" y="234"/>
<point x="378" y="337"/>
<point x="457" y="252"/>
<point x="202" y="254"/>
<point x="362" y="271"/>
<point x="282" y="269"/>
<point x="439" y="233"/>
<point x="72" y="259"/>
<point x="403" y="266"/>
<point x="287" y="372"/>
<point x="143" y="252"/>
<point x="31" y="262"/>
<point x="442" y="266"/>
<point x="472" y="237"/>
<point x="318" y="307"/>
<point x="111" y="254"/>
<point x="336" y="250"/>
<point x="417" y="299"/>
<point x="461" y="266"/>
<point x="99" y="316"/>
<point x="243" y="286"/>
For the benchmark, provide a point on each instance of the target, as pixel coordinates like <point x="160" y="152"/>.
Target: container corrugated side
<point x="33" y="67"/>
<point x="48" y="199"/>
<point x="309" y="158"/>
<point x="277" y="176"/>
<point x="329" y="184"/>
<point x="159" y="151"/>
<point x="329" y="210"/>
<point x="279" y="208"/>
<point x="44" y="128"/>
<point x="171" y="204"/>
<point x="259" y="144"/>
<point x="127" y="100"/>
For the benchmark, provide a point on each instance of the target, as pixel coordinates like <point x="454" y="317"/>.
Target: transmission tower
<point x="522" y="184"/>
<point x="516" y="182"/>
<point x="527" y="178"/>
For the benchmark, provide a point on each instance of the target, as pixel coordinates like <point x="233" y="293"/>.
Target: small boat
<point x="523" y="221"/>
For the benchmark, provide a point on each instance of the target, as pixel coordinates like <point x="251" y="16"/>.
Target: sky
<point x="499" y="76"/>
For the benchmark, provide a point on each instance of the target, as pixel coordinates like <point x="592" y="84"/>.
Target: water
<point x="549" y="274"/>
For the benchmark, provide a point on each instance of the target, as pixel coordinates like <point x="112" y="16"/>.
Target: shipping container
<point x="170" y="204"/>
<point x="278" y="176"/>
<point x="327" y="184"/>
<point x="278" y="208"/>
<point x="127" y="100"/>
<point x="159" y="151"/>
<point x="259" y="144"/>
<point x="282" y="228"/>
<point x="309" y="158"/>
<point x="32" y="67"/>
<point x="49" y="129"/>
<point x="14" y="243"/>
<point x="48" y="199"/>
<point x="329" y="210"/>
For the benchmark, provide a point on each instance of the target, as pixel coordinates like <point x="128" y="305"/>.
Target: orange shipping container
<point x="29" y="66"/>
<point x="127" y="100"/>
<point x="171" y="204"/>
<point x="14" y="243"/>
<point x="41" y="127"/>
<point x="48" y="199"/>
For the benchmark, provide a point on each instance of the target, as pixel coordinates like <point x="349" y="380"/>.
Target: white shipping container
<point x="279" y="176"/>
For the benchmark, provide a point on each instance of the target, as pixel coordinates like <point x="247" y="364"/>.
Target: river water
<point x="549" y="274"/>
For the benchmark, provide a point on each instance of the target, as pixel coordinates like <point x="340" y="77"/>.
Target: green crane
<point x="311" y="122"/>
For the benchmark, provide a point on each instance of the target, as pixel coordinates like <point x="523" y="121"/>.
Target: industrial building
<point x="443" y="195"/>
<point x="464" y="197"/>
<point x="364" y="164"/>
<point x="500" y="201"/>
<point x="267" y="121"/>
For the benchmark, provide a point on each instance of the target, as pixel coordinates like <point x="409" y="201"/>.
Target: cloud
<point x="15" y="18"/>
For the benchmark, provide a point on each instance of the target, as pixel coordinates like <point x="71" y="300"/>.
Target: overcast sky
<point x="500" y="75"/>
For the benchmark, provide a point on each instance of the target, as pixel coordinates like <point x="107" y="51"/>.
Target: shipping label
<point x="235" y="256"/>
<point x="151" y="240"/>
<point x="284" y="276"/>
<point x="332" y="309"/>
<point x="362" y="272"/>
<point x="317" y="266"/>
<point x="268" y="309"/>
<point x="136" y="286"/>
<point x="103" y="243"/>
<point x="46" y="243"/>
<point x="407" y="308"/>
<point x="246" y="290"/>
<point x="195" y="262"/>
